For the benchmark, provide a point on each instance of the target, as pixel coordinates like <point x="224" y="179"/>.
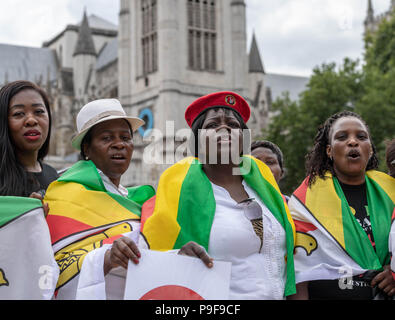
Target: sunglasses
<point x="253" y="212"/>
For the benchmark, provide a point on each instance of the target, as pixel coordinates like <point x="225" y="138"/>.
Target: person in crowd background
<point x="390" y="158"/>
<point x="272" y="156"/>
<point x="25" y="131"/>
<point x="206" y="210"/>
<point x="342" y="213"/>
<point x="92" y="214"/>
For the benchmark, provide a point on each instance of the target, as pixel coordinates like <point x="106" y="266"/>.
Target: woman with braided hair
<point x="342" y="213"/>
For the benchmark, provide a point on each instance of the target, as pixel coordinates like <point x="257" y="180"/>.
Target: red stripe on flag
<point x="146" y="210"/>
<point x="300" y="192"/>
<point x="60" y="227"/>
<point x="393" y="215"/>
<point x="305" y="227"/>
<point x="112" y="239"/>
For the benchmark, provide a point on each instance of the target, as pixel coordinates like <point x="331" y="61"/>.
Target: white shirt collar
<point x="111" y="187"/>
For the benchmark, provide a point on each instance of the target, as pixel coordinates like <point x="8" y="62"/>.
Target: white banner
<point x="168" y="276"/>
<point x="28" y="270"/>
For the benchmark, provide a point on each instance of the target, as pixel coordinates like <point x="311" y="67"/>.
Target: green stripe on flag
<point x="195" y="221"/>
<point x="86" y="174"/>
<point x="380" y="207"/>
<point x="357" y="243"/>
<point x="275" y="203"/>
<point x="13" y="207"/>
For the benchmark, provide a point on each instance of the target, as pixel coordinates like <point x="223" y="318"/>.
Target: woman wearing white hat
<point x="92" y="215"/>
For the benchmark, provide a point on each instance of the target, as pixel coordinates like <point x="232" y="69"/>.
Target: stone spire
<point x="85" y="44"/>
<point x="255" y="61"/>
<point x="370" y="14"/>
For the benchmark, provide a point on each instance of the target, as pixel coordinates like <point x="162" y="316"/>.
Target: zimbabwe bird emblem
<point x="306" y="241"/>
<point x="3" y="279"/>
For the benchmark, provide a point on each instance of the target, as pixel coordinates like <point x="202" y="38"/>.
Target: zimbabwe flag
<point x="28" y="270"/>
<point x="84" y="216"/>
<point x="329" y="240"/>
<point x="184" y="208"/>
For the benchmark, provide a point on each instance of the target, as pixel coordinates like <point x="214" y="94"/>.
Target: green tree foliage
<point x="294" y="127"/>
<point x="368" y="90"/>
<point x="377" y="105"/>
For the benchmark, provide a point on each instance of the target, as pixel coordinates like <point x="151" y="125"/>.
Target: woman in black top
<point x="25" y="129"/>
<point x="344" y="149"/>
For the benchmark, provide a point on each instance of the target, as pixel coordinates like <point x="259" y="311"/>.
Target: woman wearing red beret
<point x="222" y="205"/>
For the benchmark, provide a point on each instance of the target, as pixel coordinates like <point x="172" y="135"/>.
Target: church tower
<point x="369" y="20"/>
<point x="84" y="59"/>
<point x="172" y="52"/>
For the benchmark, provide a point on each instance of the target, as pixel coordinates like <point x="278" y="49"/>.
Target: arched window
<point x="202" y="35"/>
<point x="149" y="37"/>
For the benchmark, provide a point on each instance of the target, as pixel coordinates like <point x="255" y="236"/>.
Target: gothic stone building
<point x="161" y="57"/>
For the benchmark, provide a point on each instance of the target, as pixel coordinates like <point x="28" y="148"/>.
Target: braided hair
<point x="317" y="160"/>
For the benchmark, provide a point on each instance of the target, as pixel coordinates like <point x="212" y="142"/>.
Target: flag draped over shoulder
<point x="28" y="270"/>
<point x="329" y="240"/>
<point x="184" y="207"/>
<point x="84" y="216"/>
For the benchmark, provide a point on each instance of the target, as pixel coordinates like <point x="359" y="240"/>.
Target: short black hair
<point x="270" y="145"/>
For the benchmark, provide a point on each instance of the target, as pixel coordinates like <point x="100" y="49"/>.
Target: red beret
<point x="225" y="99"/>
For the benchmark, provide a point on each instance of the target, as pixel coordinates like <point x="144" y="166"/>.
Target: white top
<point x="254" y="275"/>
<point x="111" y="187"/>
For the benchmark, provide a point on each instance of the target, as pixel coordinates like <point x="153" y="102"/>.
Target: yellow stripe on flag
<point x="162" y="228"/>
<point x="93" y="208"/>
<point x="326" y="207"/>
<point x="385" y="181"/>
<point x="265" y="172"/>
<point x="268" y="175"/>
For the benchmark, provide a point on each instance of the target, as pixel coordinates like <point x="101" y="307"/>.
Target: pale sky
<point x="293" y="36"/>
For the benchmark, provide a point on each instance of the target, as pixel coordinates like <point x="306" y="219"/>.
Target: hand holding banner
<point x="166" y="276"/>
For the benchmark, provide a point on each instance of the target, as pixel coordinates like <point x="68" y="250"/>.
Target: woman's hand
<point x="385" y="281"/>
<point x="38" y="196"/>
<point x="192" y="249"/>
<point x="122" y="250"/>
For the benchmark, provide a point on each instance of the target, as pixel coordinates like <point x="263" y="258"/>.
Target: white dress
<point x="254" y="275"/>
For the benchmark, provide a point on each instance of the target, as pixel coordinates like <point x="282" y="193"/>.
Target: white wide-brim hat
<point x="99" y="111"/>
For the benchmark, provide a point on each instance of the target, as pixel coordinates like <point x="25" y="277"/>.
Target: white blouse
<point x="254" y="275"/>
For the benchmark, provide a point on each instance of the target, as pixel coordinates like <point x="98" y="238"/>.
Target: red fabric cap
<point x="225" y="99"/>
